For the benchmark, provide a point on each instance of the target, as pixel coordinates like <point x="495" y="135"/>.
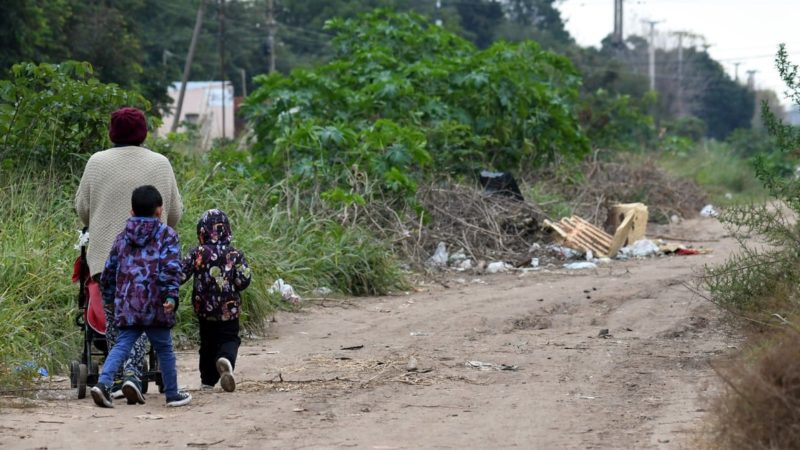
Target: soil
<point x="617" y="357"/>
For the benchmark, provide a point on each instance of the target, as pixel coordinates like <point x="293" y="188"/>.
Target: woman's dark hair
<point x="145" y="200"/>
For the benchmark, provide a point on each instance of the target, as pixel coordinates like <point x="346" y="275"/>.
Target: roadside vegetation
<point x="759" y="407"/>
<point x="357" y="165"/>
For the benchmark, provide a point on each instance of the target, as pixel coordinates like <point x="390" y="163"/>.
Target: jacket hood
<point x="213" y="228"/>
<point x="139" y="230"/>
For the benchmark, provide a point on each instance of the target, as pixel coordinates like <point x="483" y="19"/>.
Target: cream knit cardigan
<point x="103" y="200"/>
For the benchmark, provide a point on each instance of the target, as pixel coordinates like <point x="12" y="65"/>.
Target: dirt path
<point x="641" y="386"/>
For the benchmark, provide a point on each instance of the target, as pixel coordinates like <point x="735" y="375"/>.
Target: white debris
<point x="675" y="219"/>
<point x="455" y="258"/>
<point x="439" y="257"/>
<point x="323" y="291"/>
<point x="465" y="264"/>
<point x="480" y="365"/>
<point x="285" y="289"/>
<point x="565" y="252"/>
<point x="83" y="239"/>
<point x="534" y="262"/>
<point x="709" y="211"/>
<point x="589" y="256"/>
<point x="498" y="266"/>
<point x="640" y="249"/>
<point x="580" y="265"/>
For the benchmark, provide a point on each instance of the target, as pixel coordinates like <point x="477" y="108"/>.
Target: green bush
<point x="762" y="278"/>
<point x="404" y="98"/>
<point x="49" y="113"/>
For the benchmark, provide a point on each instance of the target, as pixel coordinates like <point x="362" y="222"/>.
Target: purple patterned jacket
<point x="142" y="271"/>
<point x="220" y="271"/>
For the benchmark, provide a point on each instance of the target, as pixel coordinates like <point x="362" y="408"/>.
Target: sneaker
<point x="206" y="387"/>
<point x="132" y="391"/>
<point x="102" y="396"/>
<point x="182" y="398"/>
<point x="116" y="390"/>
<point x="226" y="379"/>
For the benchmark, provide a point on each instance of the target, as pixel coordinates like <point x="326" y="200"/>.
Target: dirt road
<point x="644" y="384"/>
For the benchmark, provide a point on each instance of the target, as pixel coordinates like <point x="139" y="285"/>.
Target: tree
<point x="52" y="113"/>
<point x="539" y="20"/>
<point x="32" y="30"/>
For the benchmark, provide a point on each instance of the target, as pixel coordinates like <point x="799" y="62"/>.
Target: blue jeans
<point x="161" y="339"/>
<point x="133" y="366"/>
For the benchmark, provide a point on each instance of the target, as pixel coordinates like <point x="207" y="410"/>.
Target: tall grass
<point x="716" y="167"/>
<point x="37" y="300"/>
<point x="38" y="231"/>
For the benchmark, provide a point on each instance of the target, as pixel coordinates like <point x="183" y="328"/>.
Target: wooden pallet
<point x="579" y="234"/>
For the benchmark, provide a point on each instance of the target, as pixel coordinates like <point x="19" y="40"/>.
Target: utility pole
<point x="680" y="35"/>
<point x="618" y="39"/>
<point x="198" y="22"/>
<point x="751" y="79"/>
<point x="438" y="13"/>
<point x="244" y="82"/>
<point x="736" y="71"/>
<point x="222" y="58"/>
<point x="271" y="34"/>
<point x="652" y="52"/>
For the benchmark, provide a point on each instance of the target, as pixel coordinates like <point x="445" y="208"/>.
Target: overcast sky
<point x="745" y="31"/>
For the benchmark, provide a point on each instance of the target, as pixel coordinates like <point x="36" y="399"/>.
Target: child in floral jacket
<point x="220" y="272"/>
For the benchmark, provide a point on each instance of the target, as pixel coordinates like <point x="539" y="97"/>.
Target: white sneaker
<point x="206" y="387"/>
<point x="226" y="379"/>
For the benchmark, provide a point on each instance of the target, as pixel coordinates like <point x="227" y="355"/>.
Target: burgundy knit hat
<point x="128" y="127"/>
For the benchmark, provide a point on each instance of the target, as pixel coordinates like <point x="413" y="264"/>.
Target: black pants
<point x="218" y="339"/>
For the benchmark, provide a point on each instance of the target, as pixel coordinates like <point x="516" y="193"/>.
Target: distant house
<point x="203" y="107"/>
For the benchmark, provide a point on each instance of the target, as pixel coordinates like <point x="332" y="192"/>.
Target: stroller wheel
<point x="73" y="374"/>
<point x="83" y="374"/>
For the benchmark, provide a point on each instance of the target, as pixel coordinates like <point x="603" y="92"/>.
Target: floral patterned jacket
<point x="220" y="271"/>
<point x="142" y="271"/>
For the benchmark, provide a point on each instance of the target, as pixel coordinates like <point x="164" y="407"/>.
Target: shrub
<point x="404" y="98"/>
<point x="761" y="406"/>
<point x="49" y="113"/>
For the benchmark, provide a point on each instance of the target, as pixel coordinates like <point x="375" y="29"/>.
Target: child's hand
<point x="169" y="305"/>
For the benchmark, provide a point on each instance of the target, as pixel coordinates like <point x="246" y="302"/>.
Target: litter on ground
<point x="489" y="366"/>
<point x="285" y="289"/>
<point x="580" y="265"/>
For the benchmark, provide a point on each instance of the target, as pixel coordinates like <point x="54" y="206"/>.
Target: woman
<point x="103" y="204"/>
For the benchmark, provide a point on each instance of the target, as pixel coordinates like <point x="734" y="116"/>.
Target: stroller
<point x="92" y="320"/>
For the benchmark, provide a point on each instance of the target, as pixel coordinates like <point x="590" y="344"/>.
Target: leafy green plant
<point x="404" y="98"/>
<point x="51" y="112"/>
<point x="617" y="121"/>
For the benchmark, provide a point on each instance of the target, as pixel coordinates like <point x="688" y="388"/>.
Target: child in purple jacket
<point x="220" y="273"/>
<point x="141" y="278"/>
